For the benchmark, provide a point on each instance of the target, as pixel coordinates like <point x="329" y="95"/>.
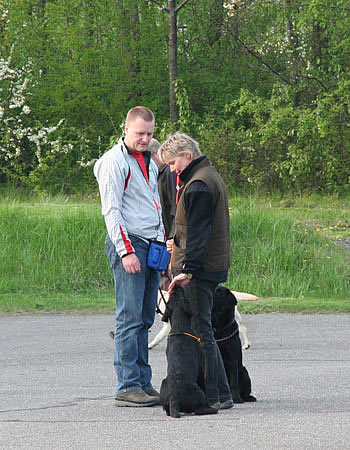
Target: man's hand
<point x="131" y="263"/>
<point x="181" y="280"/>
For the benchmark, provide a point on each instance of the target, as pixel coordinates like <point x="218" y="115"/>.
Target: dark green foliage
<point x="273" y="145"/>
<point x="264" y="88"/>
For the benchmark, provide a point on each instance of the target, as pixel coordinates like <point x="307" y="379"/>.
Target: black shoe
<point x="215" y="405"/>
<point x="111" y="333"/>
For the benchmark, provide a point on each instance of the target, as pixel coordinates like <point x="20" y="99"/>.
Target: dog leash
<point x="162" y="298"/>
<point x="186" y="334"/>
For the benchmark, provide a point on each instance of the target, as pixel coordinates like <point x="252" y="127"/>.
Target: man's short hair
<point x="176" y="145"/>
<point x="139" y="111"/>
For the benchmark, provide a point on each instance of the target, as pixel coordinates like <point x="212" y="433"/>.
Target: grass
<point x="328" y="215"/>
<point x="52" y="258"/>
<point x="101" y="302"/>
<point x="50" y="247"/>
<point x="313" y="305"/>
<point x="277" y="255"/>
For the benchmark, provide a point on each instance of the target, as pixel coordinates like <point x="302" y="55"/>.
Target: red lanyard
<point x="178" y="188"/>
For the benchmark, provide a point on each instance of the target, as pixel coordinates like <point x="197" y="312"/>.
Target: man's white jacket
<point x="130" y="205"/>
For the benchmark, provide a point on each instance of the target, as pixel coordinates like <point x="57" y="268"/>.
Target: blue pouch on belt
<point x="158" y="256"/>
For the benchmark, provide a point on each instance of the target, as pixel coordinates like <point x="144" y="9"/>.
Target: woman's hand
<point x="170" y="245"/>
<point x="181" y="279"/>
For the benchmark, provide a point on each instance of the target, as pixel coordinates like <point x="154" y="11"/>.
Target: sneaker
<point x="135" y="398"/>
<point x="227" y="404"/>
<point x="154" y="394"/>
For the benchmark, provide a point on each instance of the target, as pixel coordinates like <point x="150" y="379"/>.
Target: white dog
<point x="163" y="298"/>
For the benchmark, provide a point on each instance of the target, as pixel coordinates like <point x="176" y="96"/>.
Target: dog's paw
<point x="174" y="413"/>
<point x="249" y="398"/>
<point x="236" y="398"/>
<point x="166" y="409"/>
<point x="204" y="410"/>
<point x="174" y="409"/>
<point x="246" y="346"/>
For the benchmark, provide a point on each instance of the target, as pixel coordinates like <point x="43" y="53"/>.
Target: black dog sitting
<point x="182" y="390"/>
<point x="227" y="337"/>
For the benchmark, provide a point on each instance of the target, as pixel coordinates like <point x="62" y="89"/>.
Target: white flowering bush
<point x="32" y="154"/>
<point x="231" y="6"/>
<point x="23" y="142"/>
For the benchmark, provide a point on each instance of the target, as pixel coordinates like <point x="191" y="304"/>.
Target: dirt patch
<point x="344" y="243"/>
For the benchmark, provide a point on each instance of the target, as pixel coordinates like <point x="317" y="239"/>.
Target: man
<point x="167" y="188"/>
<point x="127" y="179"/>
<point x="201" y="250"/>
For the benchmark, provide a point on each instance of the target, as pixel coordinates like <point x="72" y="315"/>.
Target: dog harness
<point x="187" y="334"/>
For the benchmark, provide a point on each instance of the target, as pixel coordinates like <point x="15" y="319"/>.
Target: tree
<point x="172" y="10"/>
<point x="263" y="85"/>
<point x="23" y="145"/>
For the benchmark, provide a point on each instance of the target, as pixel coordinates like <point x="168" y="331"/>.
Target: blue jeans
<point x="136" y="299"/>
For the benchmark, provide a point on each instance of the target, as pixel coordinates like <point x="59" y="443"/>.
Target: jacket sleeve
<point x="167" y="194"/>
<point x="200" y="209"/>
<point x="112" y="176"/>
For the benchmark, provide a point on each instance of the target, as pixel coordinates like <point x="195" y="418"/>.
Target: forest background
<point x="263" y="85"/>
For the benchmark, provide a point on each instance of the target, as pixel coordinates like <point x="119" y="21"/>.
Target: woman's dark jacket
<point x="202" y="224"/>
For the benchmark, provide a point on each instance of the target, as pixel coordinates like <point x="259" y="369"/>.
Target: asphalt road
<point x="57" y="388"/>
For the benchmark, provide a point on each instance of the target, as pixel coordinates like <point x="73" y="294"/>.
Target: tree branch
<point x="261" y="60"/>
<point x="181" y="5"/>
<point x="309" y="77"/>
<point x="160" y="6"/>
<point x="335" y="7"/>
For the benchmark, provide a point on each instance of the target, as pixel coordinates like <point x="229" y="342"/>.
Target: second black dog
<point x="183" y="388"/>
<point x="227" y="337"/>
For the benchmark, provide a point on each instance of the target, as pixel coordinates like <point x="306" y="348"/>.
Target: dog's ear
<point x="172" y="302"/>
<point x="225" y="292"/>
<point x="165" y="317"/>
<point x="168" y="311"/>
<point x="234" y="299"/>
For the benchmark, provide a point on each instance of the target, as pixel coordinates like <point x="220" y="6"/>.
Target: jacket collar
<point x="187" y="173"/>
<point x="146" y="154"/>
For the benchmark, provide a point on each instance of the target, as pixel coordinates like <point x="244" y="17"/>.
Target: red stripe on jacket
<point x="126" y="241"/>
<point x="127" y="180"/>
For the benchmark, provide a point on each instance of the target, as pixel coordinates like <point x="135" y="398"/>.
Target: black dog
<point x="183" y="388"/>
<point x="227" y="337"/>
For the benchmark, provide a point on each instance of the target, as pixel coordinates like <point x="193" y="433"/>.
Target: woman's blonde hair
<point x="176" y="145"/>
